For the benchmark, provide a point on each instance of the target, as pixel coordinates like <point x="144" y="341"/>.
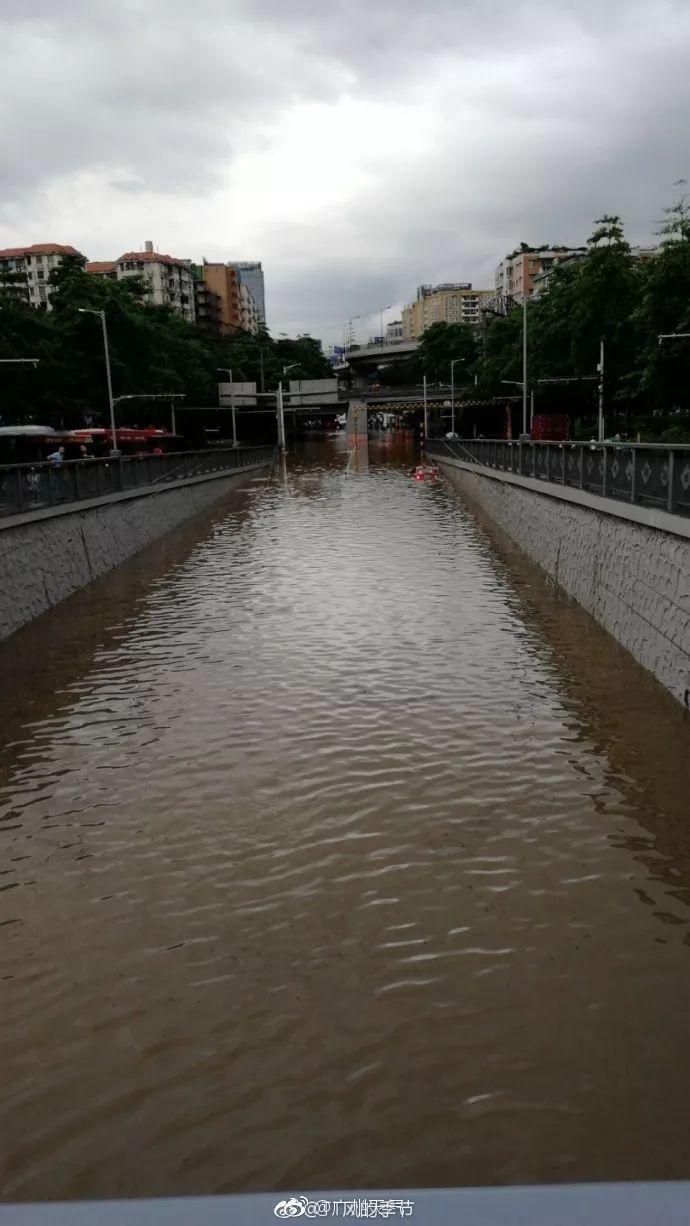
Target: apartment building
<point x="394" y="332"/>
<point x="450" y="302"/>
<point x="542" y="281"/>
<point x="169" y="281"/>
<point x="251" y="319"/>
<point x="223" y="280"/>
<point x="238" y="308"/>
<point x="25" y="271"/>
<point x="520" y="273"/>
<point x="250" y="273"/>
<point x="103" y="268"/>
<point x="208" y="304"/>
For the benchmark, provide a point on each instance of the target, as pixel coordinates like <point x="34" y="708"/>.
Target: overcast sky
<point x="356" y="147"/>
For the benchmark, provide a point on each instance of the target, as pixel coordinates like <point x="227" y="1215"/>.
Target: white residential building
<point x="169" y="280"/>
<point x="25" y="271"/>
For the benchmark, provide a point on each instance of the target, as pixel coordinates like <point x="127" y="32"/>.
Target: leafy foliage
<point x="153" y="350"/>
<point x="607" y="295"/>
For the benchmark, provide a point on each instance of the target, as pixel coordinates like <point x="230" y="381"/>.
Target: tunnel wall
<point x="47" y="555"/>
<point x="633" y="578"/>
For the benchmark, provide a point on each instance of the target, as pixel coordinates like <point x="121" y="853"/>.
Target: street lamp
<point x="600" y="372"/>
<point x="111" y="403"/>
<point x="20" y="362"/>
<point x="382" y="309"/>
<point x="226" y="369"/>
<point x="672" y="336"/>
<point x="524" y="362"/>
<point x="279" y="407"/>
<point x="453" y="364"/>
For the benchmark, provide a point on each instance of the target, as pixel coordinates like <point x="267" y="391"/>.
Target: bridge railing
<point x="32" y="487"/>
<point x="647" y="474"/>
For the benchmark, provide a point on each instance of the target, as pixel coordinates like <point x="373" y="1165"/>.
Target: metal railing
<point x="32" y="487"/>
<point x="647" y="474"/>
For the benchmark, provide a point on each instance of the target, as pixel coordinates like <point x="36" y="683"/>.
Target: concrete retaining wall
<point x="47" y="555"/>
<point x="634" y="579"/>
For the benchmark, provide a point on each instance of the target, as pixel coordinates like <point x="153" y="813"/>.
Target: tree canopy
<point x="153" y="350"/>
<point x="607" y="293"/>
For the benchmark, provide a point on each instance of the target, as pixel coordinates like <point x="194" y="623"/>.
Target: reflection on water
<point x="339" y="851"/>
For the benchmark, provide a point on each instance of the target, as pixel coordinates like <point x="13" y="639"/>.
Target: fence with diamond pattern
<point x="650" y="475"/>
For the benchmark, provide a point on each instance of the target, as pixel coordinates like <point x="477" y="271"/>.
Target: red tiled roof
<point x="152" y="257"/>
<point x="101" y="266"/>
<point x="10" y="253"/>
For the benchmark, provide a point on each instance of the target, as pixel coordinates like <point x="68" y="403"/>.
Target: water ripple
<point x="339" y="850"/>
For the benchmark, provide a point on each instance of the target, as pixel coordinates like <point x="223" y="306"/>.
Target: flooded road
<point x="338" y="850"/>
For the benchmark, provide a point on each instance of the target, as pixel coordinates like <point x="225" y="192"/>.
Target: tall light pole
<point x="280" y="409"/>
<point x="453" y="364"/>
<point x="524" y="362"/>
<point x="106" y="349"/>
<point x="292" y="366"/>
<point x="600" y="369"/>
<point x="382" y="309"/>
<point x="227" y="370"/>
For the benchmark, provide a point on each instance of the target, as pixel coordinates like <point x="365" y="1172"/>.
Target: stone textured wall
<point x="634" y="580"/>
<point x="44" y="561"/>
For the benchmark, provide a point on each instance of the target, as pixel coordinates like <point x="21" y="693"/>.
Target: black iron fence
<point x="31" y="487"/>
<point x="650" y="475"/>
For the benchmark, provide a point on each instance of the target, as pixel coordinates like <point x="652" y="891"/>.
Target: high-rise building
<point x="251" y="320"/>
<point x="207" y="302"/>
<point x="25" y="271"/>
<point x="251" y="274"/>
<point x="223" y="280"/>
<point x="238" y="307"/>
<point x="450" y="302"/>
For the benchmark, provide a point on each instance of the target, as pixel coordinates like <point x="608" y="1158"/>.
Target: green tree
<point x="440" y="345"/>
<point x="153" y="350"/>
<point x="662" y="376"/>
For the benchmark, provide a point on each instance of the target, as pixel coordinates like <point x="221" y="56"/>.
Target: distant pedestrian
<point x="84" y="453"/>
<point x="56" y="458"/>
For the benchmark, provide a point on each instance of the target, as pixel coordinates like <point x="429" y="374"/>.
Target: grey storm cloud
<point x="528" y="119"/>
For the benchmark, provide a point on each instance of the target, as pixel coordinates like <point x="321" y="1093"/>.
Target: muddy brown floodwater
<point x="338" y="850"/>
